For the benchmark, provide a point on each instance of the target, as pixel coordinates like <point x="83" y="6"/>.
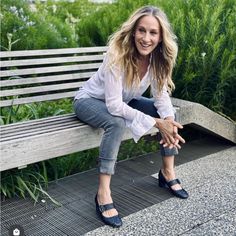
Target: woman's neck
<point x="144" y="59"/>
<point x="143" y="63"/>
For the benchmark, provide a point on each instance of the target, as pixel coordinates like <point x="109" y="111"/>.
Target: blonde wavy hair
<point x="122" y="52"/>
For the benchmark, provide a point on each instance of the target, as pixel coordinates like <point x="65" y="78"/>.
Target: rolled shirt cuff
<point x="140" y="126"/>
<point x="167" y="113"/>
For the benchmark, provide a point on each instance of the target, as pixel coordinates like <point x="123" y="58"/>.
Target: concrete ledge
<point x="202" y="117"/>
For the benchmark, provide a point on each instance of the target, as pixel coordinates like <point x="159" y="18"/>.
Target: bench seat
<point x="28" y="142"/>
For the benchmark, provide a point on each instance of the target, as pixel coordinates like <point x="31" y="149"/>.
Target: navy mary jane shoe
<point x="114" y="221"/>
<point x="163" y="183"/>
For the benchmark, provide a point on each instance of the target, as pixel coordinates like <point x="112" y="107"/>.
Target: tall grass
<point x="205" y="70"/>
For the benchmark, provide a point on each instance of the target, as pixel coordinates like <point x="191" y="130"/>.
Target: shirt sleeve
<point x="162" y="102"/>
<point x="138" y="122"/>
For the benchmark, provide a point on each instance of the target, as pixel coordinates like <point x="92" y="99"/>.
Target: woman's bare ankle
<point x="104" y="196"/>
<point x="169" y="174"/>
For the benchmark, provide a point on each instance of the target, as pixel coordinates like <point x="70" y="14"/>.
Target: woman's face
<point x="147" y="35"/>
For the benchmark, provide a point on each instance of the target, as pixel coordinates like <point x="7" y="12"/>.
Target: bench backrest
<point x="44" y="75"/>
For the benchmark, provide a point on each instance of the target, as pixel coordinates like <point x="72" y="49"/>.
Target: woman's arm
<point x="167" y="126"/>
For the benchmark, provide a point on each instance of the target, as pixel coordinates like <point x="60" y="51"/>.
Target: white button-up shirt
<point x="108" y="85"/>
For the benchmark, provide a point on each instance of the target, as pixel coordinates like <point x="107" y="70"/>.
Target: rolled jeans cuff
<point x="106" y="166"/>
<point x="165" y="151"/>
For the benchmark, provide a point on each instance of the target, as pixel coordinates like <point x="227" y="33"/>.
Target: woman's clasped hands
<point x="169" y="131"/>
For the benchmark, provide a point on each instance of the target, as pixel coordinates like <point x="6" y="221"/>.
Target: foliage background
<point x="205" y="71"/>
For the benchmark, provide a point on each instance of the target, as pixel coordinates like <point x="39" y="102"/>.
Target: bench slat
<point x="53" y="60"/>
<point x="35" y="132"/>
<point x="38" y="127"/>
<point x="41" y="120"/>
<point x="60" y="51"/>
<point x="44" y="70"/>
<point x="48" y="97"/>
<point x="42" y="124"/>
<point x="40" y="89"/>
<point x="45" y="79"/>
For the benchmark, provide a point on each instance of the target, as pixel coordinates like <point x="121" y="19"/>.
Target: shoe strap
<point x="106" y="207"/>
<point x="173" y="182"/>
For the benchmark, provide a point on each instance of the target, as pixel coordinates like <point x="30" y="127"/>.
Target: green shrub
<point x="32" y="30"/>
<point x="205" y="70"/>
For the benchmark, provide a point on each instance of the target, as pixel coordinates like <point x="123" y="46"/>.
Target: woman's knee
<point x="117" y="123"/>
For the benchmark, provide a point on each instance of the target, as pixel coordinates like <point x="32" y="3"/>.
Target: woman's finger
<point x="175" y="130"/>
<point x="176" y="141"/>
<point x="178" y="146"/>
<point x="180" y="138"/>
<point x="178" y="125"/>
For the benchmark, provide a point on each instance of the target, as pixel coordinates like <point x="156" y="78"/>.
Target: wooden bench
<point x="39" y="76"/>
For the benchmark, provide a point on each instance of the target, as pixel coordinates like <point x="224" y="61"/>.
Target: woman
<point x="141" y="53"/>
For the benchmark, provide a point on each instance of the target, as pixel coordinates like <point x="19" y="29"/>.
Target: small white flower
<point x="206" y="41"/>
<point x="21" y="11"/>
<point x="9" y="36"/>
<point x="25" y="18"/>
<point x="13" y="9"/>
<point x="54" y="8"/>
<point x="30" y="23"/>
<point x="203" y="54"/>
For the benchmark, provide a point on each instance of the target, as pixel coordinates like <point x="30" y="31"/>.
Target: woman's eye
<point x="154" y="32"/>
<point x="141" y="30"/>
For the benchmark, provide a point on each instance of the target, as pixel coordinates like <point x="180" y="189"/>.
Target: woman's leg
<point x="94" y="112"/>
<point x="104" y="194"/>
<point x="146" y="105"/>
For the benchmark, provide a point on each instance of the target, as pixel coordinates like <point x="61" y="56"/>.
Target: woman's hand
<point x="169" y="131"/>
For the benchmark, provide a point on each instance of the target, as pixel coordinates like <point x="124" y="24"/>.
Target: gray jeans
<point x="94" y="112"/>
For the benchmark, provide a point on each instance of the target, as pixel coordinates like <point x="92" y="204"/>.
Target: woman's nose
<point x="146" y="37"/>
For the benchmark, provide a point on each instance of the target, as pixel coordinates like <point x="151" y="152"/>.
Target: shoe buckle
<point x="101" y="208"/>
